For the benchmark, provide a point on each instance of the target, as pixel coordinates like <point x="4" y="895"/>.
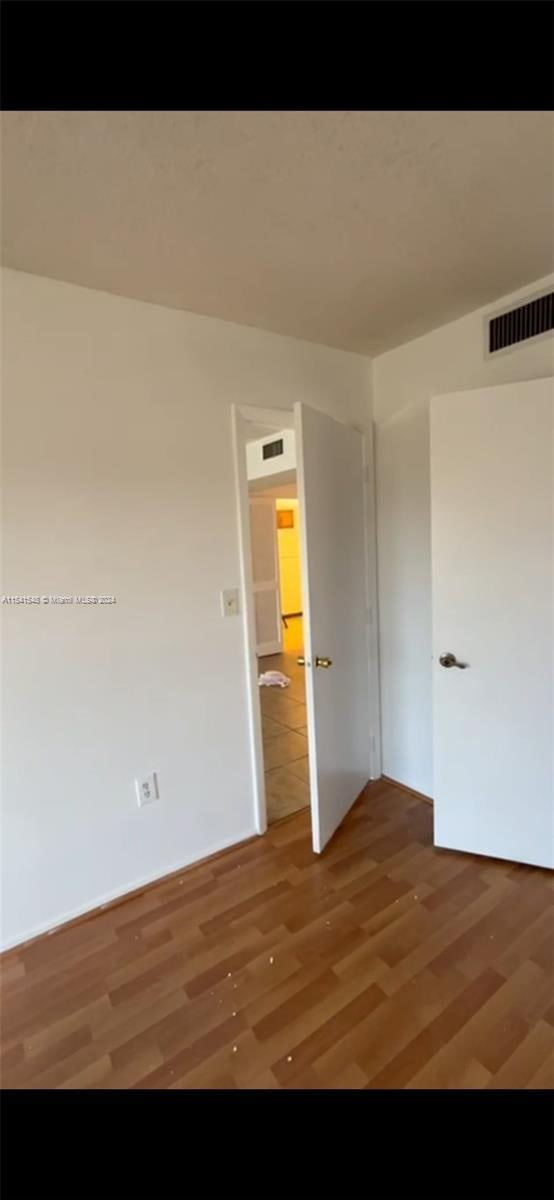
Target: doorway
<point x="329" y="685"/>
<point x="278" y="607"/>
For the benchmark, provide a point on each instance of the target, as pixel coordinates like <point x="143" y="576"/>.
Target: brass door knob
<point x="301" y="661"/>
<point x="323" y="662"/>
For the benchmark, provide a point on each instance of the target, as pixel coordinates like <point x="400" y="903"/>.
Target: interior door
<point x="265" y="575"/>
<point x="492" y="554"/>
<point x="331" y="493"/>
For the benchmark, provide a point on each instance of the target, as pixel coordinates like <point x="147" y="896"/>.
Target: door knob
<point x="450" y="660"/>
<point x="319" y="662"/>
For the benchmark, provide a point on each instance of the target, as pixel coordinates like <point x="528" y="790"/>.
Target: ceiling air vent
<point x="520" y="324"/>
<point x="272" y="449"/>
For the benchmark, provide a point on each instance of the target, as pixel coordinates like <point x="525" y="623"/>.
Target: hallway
<point x="285" y="738"/>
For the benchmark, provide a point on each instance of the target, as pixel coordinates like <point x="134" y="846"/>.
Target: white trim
<point x="120" y="893"/>
<point x="268" y="648"/>
<point x="239" y="419"/>
<point x="274" y="418"/>
<point x="372" y="602"/>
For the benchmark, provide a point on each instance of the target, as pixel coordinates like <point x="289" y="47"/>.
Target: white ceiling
<point x="355" y="229"/>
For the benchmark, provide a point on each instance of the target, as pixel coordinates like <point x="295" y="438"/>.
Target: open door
<point x="265" y="575"/>
<point x="331" y="493"/>
<point x="492" y="501"/>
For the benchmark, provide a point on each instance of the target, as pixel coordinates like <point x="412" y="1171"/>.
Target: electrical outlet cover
<point x="147" y="789"/>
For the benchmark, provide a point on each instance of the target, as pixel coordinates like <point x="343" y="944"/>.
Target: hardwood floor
<point x="383" y="963"/>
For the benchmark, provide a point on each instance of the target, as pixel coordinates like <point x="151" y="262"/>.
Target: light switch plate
<point x="230" y="602"/>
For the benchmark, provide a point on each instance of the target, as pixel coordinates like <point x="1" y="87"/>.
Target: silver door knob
<point x="450" y="660"/>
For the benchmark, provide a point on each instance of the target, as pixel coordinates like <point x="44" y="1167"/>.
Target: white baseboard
<point x="269" y="648"/>
<point x="118" y="893"/>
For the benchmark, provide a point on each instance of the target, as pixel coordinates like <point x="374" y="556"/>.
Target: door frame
<point x="243" y="415"/>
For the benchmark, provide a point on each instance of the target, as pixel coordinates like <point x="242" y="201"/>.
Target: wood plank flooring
<point x="383" y="963"/>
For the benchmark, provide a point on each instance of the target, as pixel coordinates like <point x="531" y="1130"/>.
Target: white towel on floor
<point x="273" y="679"/>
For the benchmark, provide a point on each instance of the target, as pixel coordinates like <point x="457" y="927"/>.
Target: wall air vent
<point x="520" y="324"/>
<point x="272" y="449"/>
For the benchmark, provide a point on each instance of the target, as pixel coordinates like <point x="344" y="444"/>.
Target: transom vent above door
<point x="520" y="324"/>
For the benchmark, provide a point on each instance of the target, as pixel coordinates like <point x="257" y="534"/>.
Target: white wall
<point x="448" y="359"/>
<point x="118" y="479"/>
<point x="258" y="467"/>
<point x="287" y="490"/>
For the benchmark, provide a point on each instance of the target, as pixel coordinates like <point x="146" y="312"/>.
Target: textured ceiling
<point x="354" y="229"/>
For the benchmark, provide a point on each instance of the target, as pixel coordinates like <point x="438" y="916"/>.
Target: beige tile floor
<point x="287" y="780"/>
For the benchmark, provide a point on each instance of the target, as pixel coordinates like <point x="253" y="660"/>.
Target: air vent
<point x="521" y="323"/>
<point x="272" y="449"/>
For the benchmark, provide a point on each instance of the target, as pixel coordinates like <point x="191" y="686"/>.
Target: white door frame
<point x="242" y="416"/>
<point x="284" y="418"/>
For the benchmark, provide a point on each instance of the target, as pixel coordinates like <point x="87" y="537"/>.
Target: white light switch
<point x="230" y="602"/>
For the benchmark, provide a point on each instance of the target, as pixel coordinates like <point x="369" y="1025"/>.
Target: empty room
<point x="277" y="801"/>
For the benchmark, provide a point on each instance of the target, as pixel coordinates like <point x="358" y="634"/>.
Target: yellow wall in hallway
<point x="289" y="561"/>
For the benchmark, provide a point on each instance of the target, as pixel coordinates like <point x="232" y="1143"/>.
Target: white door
<point x="331" y="495"/>
<point x="265" y="575"/>
<point x="492" y="552"/>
